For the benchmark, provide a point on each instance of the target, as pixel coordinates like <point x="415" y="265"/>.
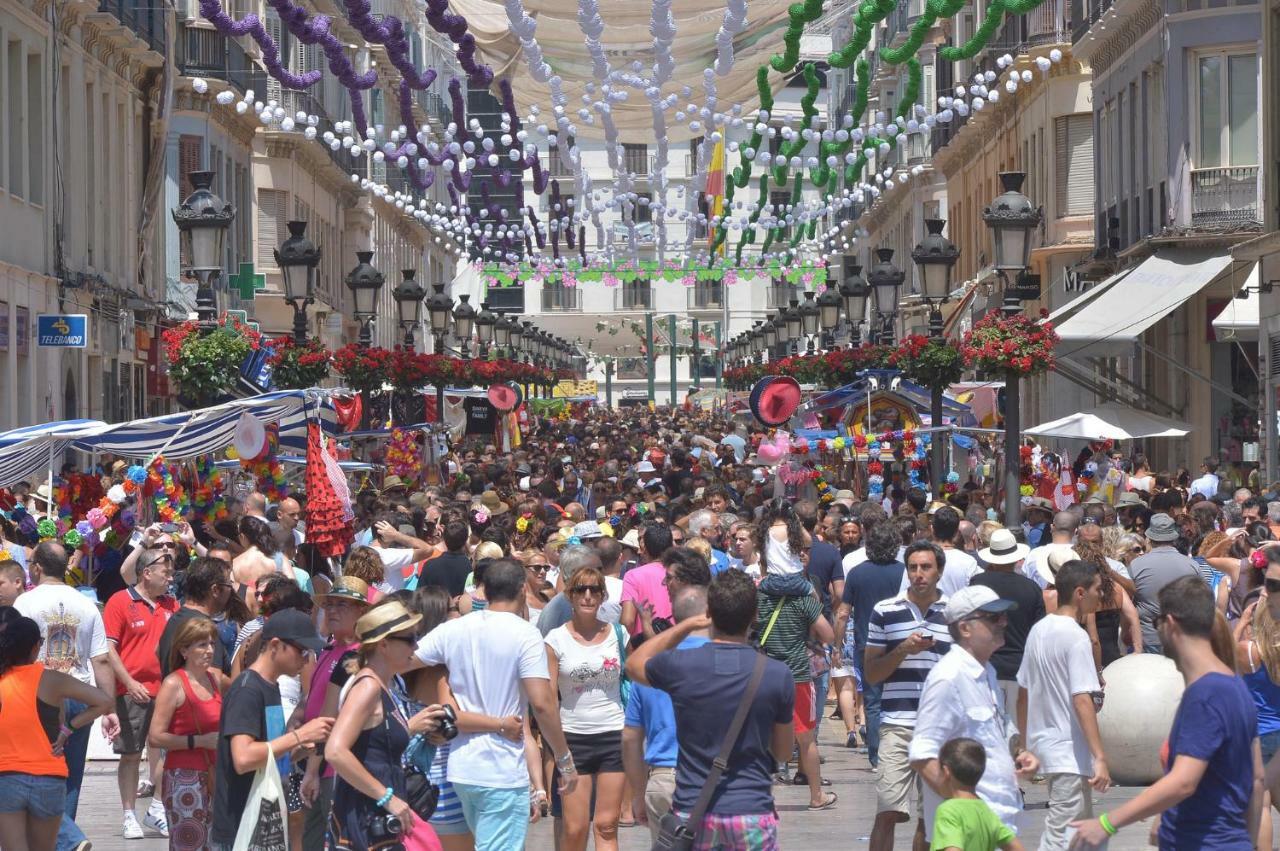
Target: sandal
<point x="828" y="801"/>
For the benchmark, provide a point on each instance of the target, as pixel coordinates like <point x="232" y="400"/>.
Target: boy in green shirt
<point x="964" y="822"/>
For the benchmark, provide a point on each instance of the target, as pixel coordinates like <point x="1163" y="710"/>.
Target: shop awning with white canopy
<point x="1111" y="422"/>
<point x="1239" y="320"/>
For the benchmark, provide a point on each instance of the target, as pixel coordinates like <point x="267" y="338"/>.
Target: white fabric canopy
<point x="1111" y="323"/>
<point x="1110" y="422"/>
<point x="1084" y="298"/>
<point x="1239" y="319"/>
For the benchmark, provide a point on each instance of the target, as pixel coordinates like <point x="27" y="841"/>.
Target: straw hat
<point x="349" y="588"/>
<point x="1049" y="565"/>
<point x="384" y="620"/>
<point x="493" y="503"/>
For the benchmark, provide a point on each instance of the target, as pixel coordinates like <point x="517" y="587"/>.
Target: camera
<point x="448" y="724"/>
<point x="384" y="827"/>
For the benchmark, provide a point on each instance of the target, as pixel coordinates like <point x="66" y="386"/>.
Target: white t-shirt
<point x="392" y="561"/>
<point x="1057" y="665"/>
<point x="858" y="556"/>
<point x="590" y="682"/>
<point x="71" y="626"/>
<point x="487" y="653"/>
<point x="611" y="609"/>
<point x="956" y="573"/>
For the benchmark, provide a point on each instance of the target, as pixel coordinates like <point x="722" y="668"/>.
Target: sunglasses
<point x="538" y="568"/>
<point x="989" y="617"/>
<point x="163" y="545"/>
<point x="407" y="639"/>
<point x="584" y="589"/>
<point x="304" y="652"/>
<point x="1272" y="585"/>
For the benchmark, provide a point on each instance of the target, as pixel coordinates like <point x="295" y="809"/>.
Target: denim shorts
<point x="1270" y="743"/>
<point x="40" y="796"/>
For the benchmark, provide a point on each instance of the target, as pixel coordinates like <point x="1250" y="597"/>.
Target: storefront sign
<point x="59" y="331"/>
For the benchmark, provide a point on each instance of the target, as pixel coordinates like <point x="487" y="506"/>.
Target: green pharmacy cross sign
<point x="247" y="282"/>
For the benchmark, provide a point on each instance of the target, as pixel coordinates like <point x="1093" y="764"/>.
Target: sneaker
<point x="146" y="789"/>
<point x="851" y="741"/>
<point x="132" y="830"/>
<point x="155" y="820"/>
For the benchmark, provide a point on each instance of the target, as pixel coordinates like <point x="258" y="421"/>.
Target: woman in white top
<point x="585" y="659"/>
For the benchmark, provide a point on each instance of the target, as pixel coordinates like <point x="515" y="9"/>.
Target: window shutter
<point x="271" y="21"/>
<point x="1074" y="159"/>
<point x="1273" y="366"/>
<point x="188" y="161"/>
<point x="272" y="212"/>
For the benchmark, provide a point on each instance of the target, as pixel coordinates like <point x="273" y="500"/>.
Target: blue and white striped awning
<point x="29" y="450"/>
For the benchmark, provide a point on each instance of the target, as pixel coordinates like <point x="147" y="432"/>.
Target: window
<point x="1227" y="114"/>
<point x="637" y="158"/>
<point x="273" y="207"/>
<point x="35" y="129"/>
<point x="14" y="105"/>
<point x="1073" y="161"/>
<point x="644" y="211"/>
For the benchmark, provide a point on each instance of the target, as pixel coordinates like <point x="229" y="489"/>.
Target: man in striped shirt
<point x="906" y="637"/>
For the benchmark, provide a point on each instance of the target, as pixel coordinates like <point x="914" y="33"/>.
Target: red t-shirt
<point x="136" y="626"/>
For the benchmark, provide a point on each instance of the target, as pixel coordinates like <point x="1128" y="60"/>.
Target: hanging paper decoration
<point x="208" y="498"/>
<point x="328" y="515"/>
<point x="404" y="456"/>
<point x="167" y="494"/>
<point x="266" y="468"/>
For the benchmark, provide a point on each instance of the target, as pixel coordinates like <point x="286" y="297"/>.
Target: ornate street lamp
<point x="298" y="258"/>
<point x="464" y="317"/>
<point x="809" y="316"/>
<point x="409" y="295"/>
<point x="854" y="292"/>
<point x="486" y="327"/>
<point x="936" y="256"/>
<point x="1012" y="216"/>
<point x="502" y="336"/>
<point x="829" y="315"/>
<point x="795" y="325"/>
<point x="759" y="341"/>
<point x="886" y="279"/>
<point x="202" y="220"/>
<point x="439" y="308"/>
<point x="365" y="282"/>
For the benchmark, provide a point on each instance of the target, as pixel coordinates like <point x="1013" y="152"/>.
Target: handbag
<point x="674" y="833"/>
<point x="624" y="686"/>
<point x="264" y="822"/>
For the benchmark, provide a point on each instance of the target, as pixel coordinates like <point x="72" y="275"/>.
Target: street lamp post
<point x="486" y="328"/>
<point x="408" y="295"/>
<point x="829" y="316"/>
<point x="854" y="292"/>
<point x="365" y="282"/>
<point x="935" y="256"/>
<point x="502" y="336"/>
<point x="439" y="308"/>
<point x="297" y="258"/>
<point x="202" y="220"/>
<point x="886" y="279"/>
<point x="795" y="327"/>
<point x="464" y="318"/>
<point x="809" y="316"/>
<point x="1012" y="217"/>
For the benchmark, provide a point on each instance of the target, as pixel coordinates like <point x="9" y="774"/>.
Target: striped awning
<point x="29" y="450"/>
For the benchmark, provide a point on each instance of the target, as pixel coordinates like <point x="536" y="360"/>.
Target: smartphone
<point x="169" y="528"/>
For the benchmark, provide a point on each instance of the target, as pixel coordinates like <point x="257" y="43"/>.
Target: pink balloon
<point x="769" y="453"/>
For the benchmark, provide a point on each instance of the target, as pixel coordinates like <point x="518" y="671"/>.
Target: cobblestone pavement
<point x="845" y="827"/>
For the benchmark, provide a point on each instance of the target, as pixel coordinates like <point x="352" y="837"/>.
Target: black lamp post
<point x="886" y="279"/>
<point x="771" y="334"/>
<point x="486" y="328"/>
<point x="854" y="292"/>
<point x="439" y="308"/>
<point x="297" y="258"/>
<point x="936" y="256"/>
<point x="365" y="282"/>
<point x="502" y="336"/>
<point x="464" y="318"/>
<point x="829" y="315"/>
<point x="409" y="295"/>
<point x="759" y="341"/>
<point x="809" y="316"/>
<point x="1012" y="217"/>
<point x="202" y="220"/>
<point x="795" y="326"/>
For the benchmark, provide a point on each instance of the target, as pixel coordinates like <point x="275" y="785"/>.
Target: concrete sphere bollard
<point x="1142" y="695"/>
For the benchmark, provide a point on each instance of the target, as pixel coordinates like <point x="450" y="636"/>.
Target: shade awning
<point x="1111" y="323"/>
<point x="1061" y="313"/>
<point x="1239" y="320"/>
<point x="1110" y="422"/>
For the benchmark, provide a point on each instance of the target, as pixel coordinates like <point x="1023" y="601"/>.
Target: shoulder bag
<point x="676" y="834"/>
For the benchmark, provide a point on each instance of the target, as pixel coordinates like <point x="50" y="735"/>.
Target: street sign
<point x="62" y="331"/>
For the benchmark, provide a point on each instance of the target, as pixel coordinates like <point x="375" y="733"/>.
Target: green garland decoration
<point x="798" y="15"/>
<point x="808" y="111"/>
<point x="970" y="49"/>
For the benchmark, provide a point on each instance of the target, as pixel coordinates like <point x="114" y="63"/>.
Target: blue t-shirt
<point x="866" y="585"/>
<point x="1217" y="723"/>
<point x="719" y="562"/>
<point x="650" y="709"/>
<point x="824" y="566"/>
<point x="706" y="684"/>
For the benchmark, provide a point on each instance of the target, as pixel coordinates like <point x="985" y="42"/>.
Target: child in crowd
<point x="964" y="822"/>
<point x="13" y="581"/>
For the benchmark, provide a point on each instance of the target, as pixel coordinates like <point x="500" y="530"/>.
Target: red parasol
<point x="328" y="517"/>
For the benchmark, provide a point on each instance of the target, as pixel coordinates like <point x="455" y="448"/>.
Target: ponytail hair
<point x="19" y="638"/>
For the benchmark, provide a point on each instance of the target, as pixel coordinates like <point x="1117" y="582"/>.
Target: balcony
<point x="633" y="297"/>
<point x="782" y="296"/>
<point x="505" y="299"/>
<point x="1084" y="14"/>
<point x="145" y="19"/>
<point x="205" y="52"/>
<point x="706" y="295"/>
<point x="559" y="299"/>
<point x="1224" y="197"/>
<point x="636" y="159"/>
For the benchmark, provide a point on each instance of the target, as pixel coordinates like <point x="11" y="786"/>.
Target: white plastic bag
<point x="264" y="824"/>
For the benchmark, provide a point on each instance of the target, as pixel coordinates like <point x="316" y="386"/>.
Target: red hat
<point x="774" y="399"/>
<point x="504" y="397"/>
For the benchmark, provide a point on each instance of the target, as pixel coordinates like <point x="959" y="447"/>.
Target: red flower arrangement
<point x="929" y="361"/>
<point x="297" y="366"/>
<point x="1019" y="344"/>
<point x="362" y="368"/>
<point x="207" y="365"/>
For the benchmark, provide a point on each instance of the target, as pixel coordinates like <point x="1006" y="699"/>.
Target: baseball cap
<point x="293" y="627"/>
<point x="975" y="598"/>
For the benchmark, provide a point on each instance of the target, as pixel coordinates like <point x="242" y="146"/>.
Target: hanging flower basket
<point x="845" y="365"/>
<point x="1018" y="344"/>
<point x="407" y="370"/>
<point x="929" y="361"/>
<point x="206" y="367"/>
<point x="298" y="366"/>
<point x="362" y="368"/>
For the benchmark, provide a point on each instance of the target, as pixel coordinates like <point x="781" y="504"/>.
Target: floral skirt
<point x="188" y="805"/>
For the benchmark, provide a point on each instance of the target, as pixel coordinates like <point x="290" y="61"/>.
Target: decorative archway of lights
<point x="747" y="65"/>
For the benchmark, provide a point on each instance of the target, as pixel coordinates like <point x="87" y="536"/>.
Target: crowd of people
<point x="563" y="630"/>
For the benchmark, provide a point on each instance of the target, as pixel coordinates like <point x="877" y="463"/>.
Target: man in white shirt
<point x="960" y="566"/>
<point x="496" y="659"/>
<point x="398" y="551"/>
<point x="1208" y="482"/>
<point x="1063" y="532"/>
<point x="75" y="643"/>
<point x="1056" y="712"/>
<point x="961" y="698"/>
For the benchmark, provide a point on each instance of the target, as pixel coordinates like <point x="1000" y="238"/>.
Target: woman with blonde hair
<point x="185" y="726"/>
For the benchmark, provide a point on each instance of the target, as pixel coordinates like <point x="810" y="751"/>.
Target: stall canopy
<point x="26" y="450"/>
<point x="1087" y="296"/>
<point x="1110" y="324"/>
<point x="1110" y="422"/>
<point x="1239" y="319"/>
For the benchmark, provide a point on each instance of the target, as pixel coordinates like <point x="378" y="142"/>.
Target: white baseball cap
<point x="975" y="598"/>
